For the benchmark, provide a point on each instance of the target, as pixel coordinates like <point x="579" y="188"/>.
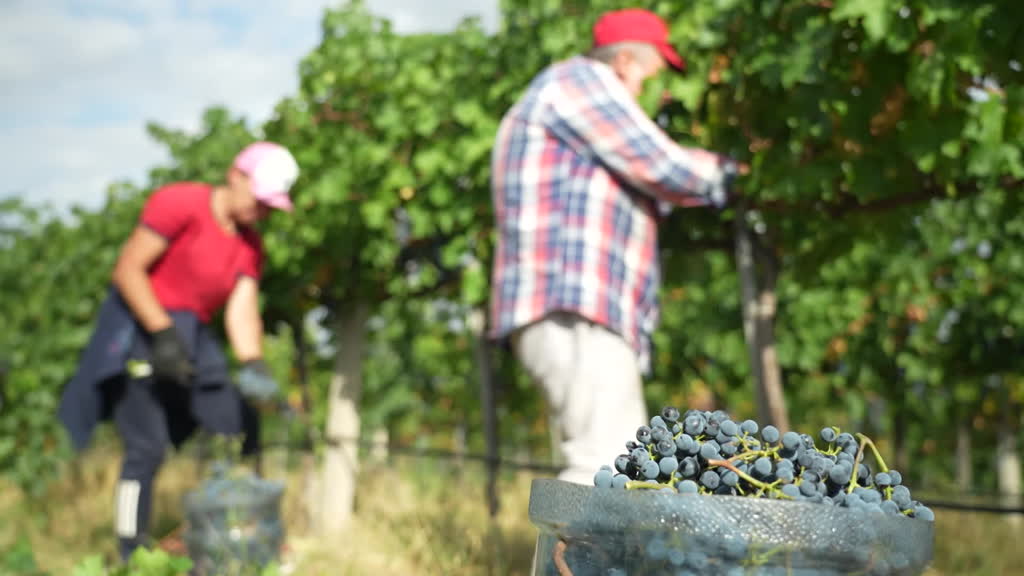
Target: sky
<point x="79" y="79"/>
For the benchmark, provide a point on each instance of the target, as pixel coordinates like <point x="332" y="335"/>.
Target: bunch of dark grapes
<point x="708" y="453"/>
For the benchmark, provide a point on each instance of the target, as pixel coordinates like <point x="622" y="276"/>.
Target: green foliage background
<point x="887" y="193"/>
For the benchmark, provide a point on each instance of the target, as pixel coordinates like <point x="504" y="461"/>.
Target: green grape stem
<point x="878" y="457"/>
<point x="641" y="485"/>
<point x="866" y="442"/>
<point x="856" y="465"/>
<point x="748" y="456"/>
<point x="728" y="465"/>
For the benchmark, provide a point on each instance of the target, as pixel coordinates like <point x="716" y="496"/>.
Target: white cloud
<point x="82" y="79"/>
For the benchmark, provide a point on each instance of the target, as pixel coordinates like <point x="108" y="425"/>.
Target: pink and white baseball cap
<point x="271" y="170"/>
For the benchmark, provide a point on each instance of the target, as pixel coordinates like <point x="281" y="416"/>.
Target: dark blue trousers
<point x="150" y="416"/>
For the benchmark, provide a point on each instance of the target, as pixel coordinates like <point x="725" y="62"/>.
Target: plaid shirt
<point x="579" y="172"/>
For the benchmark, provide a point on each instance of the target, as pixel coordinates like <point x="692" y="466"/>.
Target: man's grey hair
<point x="641" y="51"/>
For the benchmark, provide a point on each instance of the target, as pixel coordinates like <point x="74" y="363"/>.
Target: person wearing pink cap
<point x="580" y="177"/>
<point x="153" y="365"/>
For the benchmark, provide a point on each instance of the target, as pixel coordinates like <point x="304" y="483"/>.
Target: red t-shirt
<point x="203" y="261"/>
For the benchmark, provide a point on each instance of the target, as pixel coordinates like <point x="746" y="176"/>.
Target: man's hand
<point x="170" y="360"/>
<point x="256" y="382"/>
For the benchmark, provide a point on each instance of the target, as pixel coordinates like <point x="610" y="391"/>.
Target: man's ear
<point x="235" y="176"/>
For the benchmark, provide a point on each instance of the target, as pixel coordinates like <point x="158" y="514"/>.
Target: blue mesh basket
<point x="586" y="531"/>
<point x="234" y="525"/>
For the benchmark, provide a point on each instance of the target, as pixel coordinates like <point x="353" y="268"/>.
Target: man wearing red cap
<point x="153" y="365"/>
<point x="579" y="173"/>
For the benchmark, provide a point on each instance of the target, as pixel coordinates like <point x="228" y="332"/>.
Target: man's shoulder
<point x="570" y="67"/>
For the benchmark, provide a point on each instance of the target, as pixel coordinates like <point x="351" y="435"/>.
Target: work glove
<point x="256" y="382"/>
<point x="170" y="359"/>
<point x="724" y="193"/>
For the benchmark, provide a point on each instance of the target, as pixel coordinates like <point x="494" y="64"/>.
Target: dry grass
<point x="421" y="519"/>
<point x="426" y="519"/>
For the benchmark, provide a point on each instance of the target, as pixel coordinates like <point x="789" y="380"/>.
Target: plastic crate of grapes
<point x="234" y="525"/>
<point x="588" y="531"/>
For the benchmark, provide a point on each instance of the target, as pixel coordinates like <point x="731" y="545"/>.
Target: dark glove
<point x="256" y="382"/>
<point x="170" y="359"/>
<point x="726" y="194"/>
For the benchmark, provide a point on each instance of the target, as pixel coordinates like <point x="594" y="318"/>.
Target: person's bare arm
<point x="138" y="253"/>
<point x="242" y="320"/>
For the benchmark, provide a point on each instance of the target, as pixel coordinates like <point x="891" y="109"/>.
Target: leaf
<point x="90" y="566"/>
<point x="375" y="214"/>
<point x="876" y="15"/>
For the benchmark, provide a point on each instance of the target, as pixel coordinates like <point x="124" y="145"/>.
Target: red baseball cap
<point x="636" y="25"/>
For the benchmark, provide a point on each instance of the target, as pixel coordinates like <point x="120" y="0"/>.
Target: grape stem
<point x="864" y="442"/>
<point x="856" y="465"/>
<point x="641" y="485"/>
<point x="728" y="465"/>
<point x="559" y="558"/>
<point x="748" y="456"/>
<point x="878" y="457"/>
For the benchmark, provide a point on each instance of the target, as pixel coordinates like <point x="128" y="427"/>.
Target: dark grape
<point x="828" y="435"/>
<point x="790" y="440"/>
<point x="749" y="427"/>
<point x="686" y="444"/>
<point x="643" y="435"/>
<point x="687" y="487"/>
<point x="712" y="428"/>
<point x="924" y="513"/>
<point x="729" y="428"/>
<point x="668" y="465"/>
<point x="709" y="451"/>
<point x="689" y="467"/>
<point x="666" y="447"/>
<point x="694" y="425"/>
<point x="659" y="434"/>
<point x="770" y="434"/>
<point x="657" y="549"/>
<point x="710" y="479"/>
<point x="807" y="441"/>
<point x="785" y="475"/>
<point x="901" y="496"/>
<point x="658" y="422"/>
<point x="890" y="507"/>
<point x="762" y="466"/>
<point x="670" y="414"/>
<point x="840" y="475"/>
<point x="808" y="488"/>
<point x="697" y="560"/>
<point x="603" y="478"/>
<point x="622" y="463"/>
<point x="650" y="470"/>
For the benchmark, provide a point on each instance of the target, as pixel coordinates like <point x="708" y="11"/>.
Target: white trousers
<point x="590" y="378"/>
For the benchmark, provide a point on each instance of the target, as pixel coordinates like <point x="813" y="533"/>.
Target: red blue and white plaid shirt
<point x="579" y="172"/>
